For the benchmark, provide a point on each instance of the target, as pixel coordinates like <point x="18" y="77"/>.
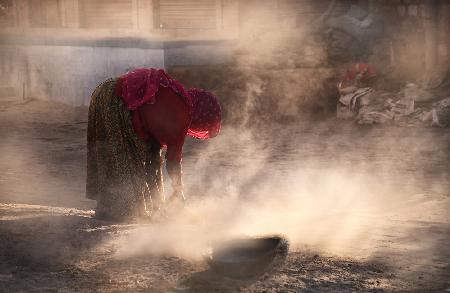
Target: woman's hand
<point x="177" y="196"/>
<point x="175" y="174"/>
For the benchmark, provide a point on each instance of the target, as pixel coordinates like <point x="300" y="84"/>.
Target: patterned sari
<point x="124" y="173"/>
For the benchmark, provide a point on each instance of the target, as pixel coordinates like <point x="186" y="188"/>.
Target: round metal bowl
<point x="247" y="257"/>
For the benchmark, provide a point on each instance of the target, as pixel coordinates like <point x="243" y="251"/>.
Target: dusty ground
<point x="49" y="241"/>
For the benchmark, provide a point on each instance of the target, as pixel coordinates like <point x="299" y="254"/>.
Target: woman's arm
<point x="174" y="169"/>
<point x="154" y="174"/>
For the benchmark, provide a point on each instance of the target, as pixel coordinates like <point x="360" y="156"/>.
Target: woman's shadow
<point x="46" y="239"/>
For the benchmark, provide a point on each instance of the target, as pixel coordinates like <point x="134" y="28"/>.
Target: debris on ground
<point x="413" y="105"/>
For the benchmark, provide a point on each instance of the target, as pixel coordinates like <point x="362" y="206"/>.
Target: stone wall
<point x="61" y="49"/>
<point x="67" y="74"/>
<point x="68" y="71"/>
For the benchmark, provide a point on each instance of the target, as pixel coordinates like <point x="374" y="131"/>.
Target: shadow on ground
<point x="301" y="272"/>
<point x="48" y="248"/>
<point x="44" y="249"/>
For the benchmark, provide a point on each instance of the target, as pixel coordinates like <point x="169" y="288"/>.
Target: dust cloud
<point x="246" y="184"/>
<point x="323" y="188"/>
<point x="336" y="201"/>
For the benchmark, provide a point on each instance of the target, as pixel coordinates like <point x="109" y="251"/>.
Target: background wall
<point x="60" y="49"/>
<point x="419" y="33"/>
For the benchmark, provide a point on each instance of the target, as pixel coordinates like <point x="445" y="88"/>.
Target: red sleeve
<point x="175" y="151"/>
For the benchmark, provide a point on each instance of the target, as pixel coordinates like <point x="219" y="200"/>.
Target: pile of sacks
<point x="411" y="106"/>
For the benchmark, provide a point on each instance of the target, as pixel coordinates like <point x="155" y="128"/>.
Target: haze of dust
<point x="334" y="209"/>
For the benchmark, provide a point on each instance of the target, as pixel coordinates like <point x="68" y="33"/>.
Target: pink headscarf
<point x="140" y="86"/>
<point x="207" y="116"/>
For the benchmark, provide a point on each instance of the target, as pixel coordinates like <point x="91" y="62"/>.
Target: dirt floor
<point x="401" y="176"/>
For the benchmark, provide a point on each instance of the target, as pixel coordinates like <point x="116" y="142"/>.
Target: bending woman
<point x="130" y="119"/>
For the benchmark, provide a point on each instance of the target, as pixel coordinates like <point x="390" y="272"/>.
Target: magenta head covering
<point x="140" y="86"/>
<point x="207" y="115"/>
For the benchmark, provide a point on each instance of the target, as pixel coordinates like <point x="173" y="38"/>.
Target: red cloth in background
<point x="365" y="71"/>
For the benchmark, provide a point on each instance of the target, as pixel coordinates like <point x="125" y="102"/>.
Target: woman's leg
<point x="154" y="174"/>
<point x="118" y="160"/>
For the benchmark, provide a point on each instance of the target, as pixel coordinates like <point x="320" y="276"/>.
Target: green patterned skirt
<point x="123" y="172"/>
